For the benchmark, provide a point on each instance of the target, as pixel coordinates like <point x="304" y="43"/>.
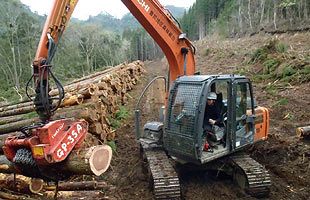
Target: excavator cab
<point x="184" y="136"/>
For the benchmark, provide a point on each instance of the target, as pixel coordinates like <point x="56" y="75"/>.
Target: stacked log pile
<point x="94" y="98"/>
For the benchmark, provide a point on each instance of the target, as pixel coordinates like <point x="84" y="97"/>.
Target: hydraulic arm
<point x="53" y="29"/>
<point x="48" y="142"/>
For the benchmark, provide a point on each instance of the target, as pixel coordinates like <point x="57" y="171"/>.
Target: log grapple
<point x="45" y="144"/>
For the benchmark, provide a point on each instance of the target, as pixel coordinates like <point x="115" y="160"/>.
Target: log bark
<point x="14" y="103"/>
<point x="16" y="106"/>
<point x="303" y="132"/>
<point x="11" y="119"/>
<point x="17" y="111"/>
<point x="69" y="100"/>
<point x="16" y="126"/>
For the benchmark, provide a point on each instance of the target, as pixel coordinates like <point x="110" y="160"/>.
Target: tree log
<point x="87" y="114"/>
<point x="36" y="185"/>
<point x="21" y="184"/>
<point x="11" y="119"/>
<point x="18" y="183"/>
<point x="16" y="106"/>
<point x="6" y="166"/>
<point x="303" y="132"/>
<point x="75" y="194"/>
<point x="17" y="111"/>
<point x="95" y="160"/>
<point x="88" y="161"/>
<point x="75" y="186"/>
<point x="5" y="195"/>
<point x="5" y="104"/>
<point x="15" y="126"/>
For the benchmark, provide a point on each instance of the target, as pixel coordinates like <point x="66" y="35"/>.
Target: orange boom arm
<point x="160" y="24"/>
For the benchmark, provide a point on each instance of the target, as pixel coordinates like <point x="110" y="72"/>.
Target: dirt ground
<point x="284" y="155"/>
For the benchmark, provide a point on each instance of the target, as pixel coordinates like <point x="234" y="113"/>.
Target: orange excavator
<point x="180" y="135"/>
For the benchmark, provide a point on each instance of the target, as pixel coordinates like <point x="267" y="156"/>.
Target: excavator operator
<point x="213" y="119"/>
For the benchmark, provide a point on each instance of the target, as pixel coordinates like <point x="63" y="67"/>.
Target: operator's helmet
<point x="212" y="96"/>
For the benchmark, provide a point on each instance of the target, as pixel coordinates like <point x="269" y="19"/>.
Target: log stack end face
<point x="100" y="159"/>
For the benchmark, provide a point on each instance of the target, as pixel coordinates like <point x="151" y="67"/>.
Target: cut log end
<point x="100" y="159"/>
<point x="36" y="185"/>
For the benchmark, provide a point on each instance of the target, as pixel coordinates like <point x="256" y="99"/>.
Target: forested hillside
<point x="111" y="23"/>
<point x="230" y="18"/>
<point x="104" y="40"/>
<point x="85" y="47"/>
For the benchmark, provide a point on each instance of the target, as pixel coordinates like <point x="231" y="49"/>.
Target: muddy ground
<point x="283" y="154"/>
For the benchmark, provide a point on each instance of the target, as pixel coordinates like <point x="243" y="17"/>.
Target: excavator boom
<point x="160" y="24"/>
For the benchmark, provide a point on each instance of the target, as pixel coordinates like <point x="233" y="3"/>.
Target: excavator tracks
<point x="251" y="176"/>
<point x="166" y="184"/>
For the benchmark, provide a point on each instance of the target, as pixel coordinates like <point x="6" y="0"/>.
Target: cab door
<point x="243" y="114"/>
<point x="180" y="136"/>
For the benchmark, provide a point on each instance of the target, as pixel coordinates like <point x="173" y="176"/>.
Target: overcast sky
<point x="94" y="7"/>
